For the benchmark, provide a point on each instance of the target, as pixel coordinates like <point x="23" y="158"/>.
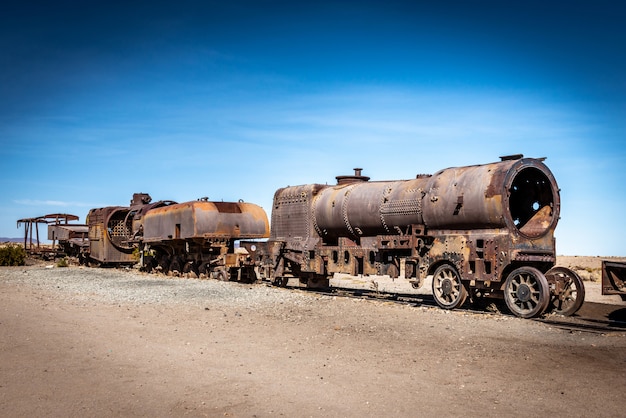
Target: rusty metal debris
<point x="614" y="278"/>
<point x="114" y="231"/>
<point x="72" y="238"/>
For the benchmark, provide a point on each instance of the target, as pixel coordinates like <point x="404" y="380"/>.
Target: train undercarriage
<point x="529" y="287"/>
<point x="215" y="259"/>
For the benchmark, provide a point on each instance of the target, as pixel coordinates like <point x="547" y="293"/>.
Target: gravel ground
<point x="131" y="286"/>
<point x="105" y="342"/>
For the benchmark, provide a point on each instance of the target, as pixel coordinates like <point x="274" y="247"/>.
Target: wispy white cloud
<point x="56" y="203"/>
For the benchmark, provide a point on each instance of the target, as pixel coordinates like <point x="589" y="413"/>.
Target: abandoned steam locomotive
<point x="478" y="231"/>
<point x="483" y="230"/>
<point x="196" y="237"/>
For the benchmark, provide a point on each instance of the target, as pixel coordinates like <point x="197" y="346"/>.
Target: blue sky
<point x="232" y="100"/>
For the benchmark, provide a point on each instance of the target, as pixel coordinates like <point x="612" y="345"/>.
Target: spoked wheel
<point x="448" y="290"/>
<point x="568" y="291"/>
<point x="280" y="281"/>
<point x="526" y="292"/>
<point x="175" y="267"/>
<point x="204" y="270"/>
<point x="191" y="270"/>
<point x="222" y="275"/>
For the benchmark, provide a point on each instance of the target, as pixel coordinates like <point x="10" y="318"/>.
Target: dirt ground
<point x="65" y="352"/>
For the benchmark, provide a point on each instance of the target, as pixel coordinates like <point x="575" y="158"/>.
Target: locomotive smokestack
<point x="357" y="177"/>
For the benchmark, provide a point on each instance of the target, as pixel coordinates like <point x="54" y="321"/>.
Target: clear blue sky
<point x="232" y="100"/>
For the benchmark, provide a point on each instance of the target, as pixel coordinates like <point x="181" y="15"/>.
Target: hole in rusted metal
<point x="531" y="202"/>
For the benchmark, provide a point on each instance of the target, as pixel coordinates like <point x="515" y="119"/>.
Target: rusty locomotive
<point x="197" y="237"/>
<point x="478" y="231"/>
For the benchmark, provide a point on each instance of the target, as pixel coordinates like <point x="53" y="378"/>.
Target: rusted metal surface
<point x="196" y="238"/>
<point x="477" y="223"/>
<point x="291" y="213"/>
<point x="65" y="232"/>
<point x="33" y="223"/>
<point x="568" y="290"/>
<point x="105" y="231"/>
<point x="72" y="238"/>
<point x="368" y="208"/>
<point x="614" y="278"/>
<point x="520" y="195"/>
<point x="114" y="231"/>
<point x="204" y="219"/>
<point x="199" y="238"/>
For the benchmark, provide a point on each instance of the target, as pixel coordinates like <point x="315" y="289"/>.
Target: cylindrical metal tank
<point x="204" y="219"/>
<point x="368" y="208"/>
<point x="519" y="194"/>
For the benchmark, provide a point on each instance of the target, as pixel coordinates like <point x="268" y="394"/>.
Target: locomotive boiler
<point x="483" y="231"/>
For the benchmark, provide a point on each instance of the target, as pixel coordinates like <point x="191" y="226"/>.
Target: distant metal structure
<point x="50" y="219"/>
<point x="614" y="278"/>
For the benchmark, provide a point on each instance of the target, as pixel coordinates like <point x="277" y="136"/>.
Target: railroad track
<point x="592" y="317"/>
<point x="576" y="323"/>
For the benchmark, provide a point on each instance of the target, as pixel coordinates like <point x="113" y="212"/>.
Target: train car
<point x="72" y="239"/>
<point x="483" y="231"/>
<point x="115" y="231"/>
<point x="68" y="239"/>
<point x="614" y="278"/>
<point x="199" y="238"/>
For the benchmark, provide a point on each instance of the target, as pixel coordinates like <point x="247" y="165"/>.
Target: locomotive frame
<point x="478" y="231"/>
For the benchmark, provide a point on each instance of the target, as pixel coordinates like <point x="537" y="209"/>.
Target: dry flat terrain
<point x="588" y="268"/>
<point x="102" y="342"/>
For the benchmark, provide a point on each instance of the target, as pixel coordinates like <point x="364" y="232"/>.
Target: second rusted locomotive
<point x="196" y="238"/>
<point x="482" y="230"/>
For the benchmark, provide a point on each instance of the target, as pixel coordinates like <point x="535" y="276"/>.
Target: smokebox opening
<point x="531" y="202"/>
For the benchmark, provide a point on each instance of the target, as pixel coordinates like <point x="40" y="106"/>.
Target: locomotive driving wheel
<point x="448" y="290"/>
<point x="568" y="291"/>
<point x="175" y="267"/>
<point x="222" y="275"/>
<point x="526" y="292"/>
